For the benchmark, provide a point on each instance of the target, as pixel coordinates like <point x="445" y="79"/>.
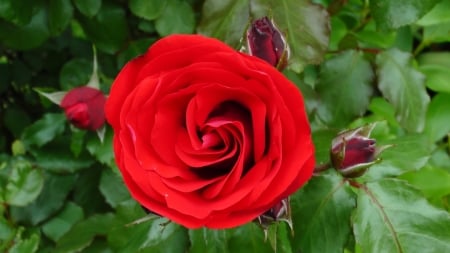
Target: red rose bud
<point x="352" y="151"/>
<point x="83" y="107"/>
<point x="280" y="212"/>
<point x="266" y="42"/>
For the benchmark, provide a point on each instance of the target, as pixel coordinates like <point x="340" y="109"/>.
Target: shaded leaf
<point x="344" y="88"/>
<point x="321" y="211"/>
<point x="29" y="36"/>
<point x="60" y="224"/>
<point x="44" y="130"/>
<point x="438" y="117"/>
<point x="404" y="87"/>
<point x="108" y="29"/>
<point x="147" y="9"/>
<point x="50" y="200"/>
<point x="113" y="188"/>
<point x="394" y="14"/>
<point x="393" y="217"/>
<point x="75" y="73"/>
<point x="59" y="15"/>
<point x="307" y="28"/>
<point x="81" y="235"/>
<point x="177" y="17"/>
<point x="88" y="7"/>
<point x="225" y="20"/>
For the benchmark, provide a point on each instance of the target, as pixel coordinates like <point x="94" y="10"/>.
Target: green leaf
<point x="108" y="29"/>
<point x="113" y="188"/>
<point x="82" y="234"/>
<point x="159" y="238"/>
<point x="134" y="49"/>
<point x="404" y="87"/>
<point x="322" y="143"/>
<point x="439" y="14"/>
<point x="75" y="73"/>
<point x="433" y="182"/>
<point x="204" y="240"/>
<point x="44" y="130"/>
<point x="177" y="17"/>
<point x="437" y="33"/>
<point x="437" y="77"/>
<point x="371" y="37"/>
<point x="307" y="28"/>
<point x="147" y="9"/>
<point x="338" y="32"/>
<point x="344" y="88"/>
<point x="16" y="119"/>
<point x="29" y="245"/>
<point x="86" y="192"/>
<point x="59" y="15"/>
<point x="410" y="152"/>
<point x="435" y="58"/>
<point x="438" y="117"/>
<point x="102" y="150"/>
<point x="57" y="157"/>
<point x="60" y="224"/>
<point x="380" y="107"/>
<point x="29" y="36"/>
<point x="88" y="7"/>
<point x="394" y="14"/>
<point x="248" y="238"/>
<point x="18" y="12"/>
<point x="225" y="20"/>
<point x="24" y="184"/>
<point x="393" y="217"/>
<point x="321" y="214"/>
<point x="50" y="200"/>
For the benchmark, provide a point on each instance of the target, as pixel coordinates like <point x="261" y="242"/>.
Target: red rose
<point x="207" y="136"/>
<point x="84" y="107"/>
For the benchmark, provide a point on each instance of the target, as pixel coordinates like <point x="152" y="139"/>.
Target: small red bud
<point x="353" y="152"/>
<point x="267" y="42"/>
<point x="279" y="212"/>
<point x="83" y="107"/>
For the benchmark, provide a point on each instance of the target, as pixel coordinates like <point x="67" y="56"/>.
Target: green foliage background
<point x="356" y="62"/>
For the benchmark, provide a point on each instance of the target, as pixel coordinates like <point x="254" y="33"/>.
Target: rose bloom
<point x="207" y="136"/>
<point x="84" y="107"/>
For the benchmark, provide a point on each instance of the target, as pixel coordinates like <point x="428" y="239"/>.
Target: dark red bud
<point x="352" y="151"/>
<point x="357" y="151"/>
<point x="265" y="41"/>
<point x="83" y="107"/>
<point x="279" y="212"/>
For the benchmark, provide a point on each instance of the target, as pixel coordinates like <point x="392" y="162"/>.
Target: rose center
<point x="227" y="131"/>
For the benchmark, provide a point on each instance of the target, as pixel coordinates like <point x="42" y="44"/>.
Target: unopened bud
<point x="265" y="41"/>
<point x="353" y="151"/>
<point x="83" y="107"/>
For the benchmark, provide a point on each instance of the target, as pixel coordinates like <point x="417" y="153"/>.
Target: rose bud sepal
<point x="279" y="212"/>
<point x="353" y="151"/>
<point x="265" y="41"/>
